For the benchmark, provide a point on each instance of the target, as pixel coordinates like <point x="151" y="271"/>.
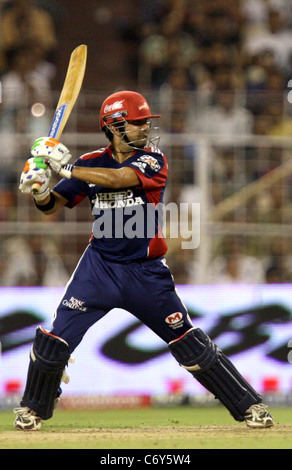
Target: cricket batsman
<point x="118" y="269"/>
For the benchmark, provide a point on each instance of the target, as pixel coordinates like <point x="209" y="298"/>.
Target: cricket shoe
<point x="27" y="419"/>
<point x="257" y="416"/>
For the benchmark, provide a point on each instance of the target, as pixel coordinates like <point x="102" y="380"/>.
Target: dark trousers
<point x="145" y="288"/>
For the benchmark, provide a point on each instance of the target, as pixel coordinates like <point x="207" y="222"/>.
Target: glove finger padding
<point x="55" y="154"/>
<point x="35" y="171"/>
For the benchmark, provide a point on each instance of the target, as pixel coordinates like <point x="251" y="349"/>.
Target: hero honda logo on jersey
<point x="113" y="200"/>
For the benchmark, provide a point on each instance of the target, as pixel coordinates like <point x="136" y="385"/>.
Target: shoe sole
<point x="268" y="424"/>
<point x="32" y="427"/>
<point x="27" y="429"/>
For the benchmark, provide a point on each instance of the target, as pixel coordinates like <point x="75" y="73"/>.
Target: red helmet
<point x="124" y="105"/>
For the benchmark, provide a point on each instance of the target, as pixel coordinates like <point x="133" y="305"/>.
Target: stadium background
<point x="219" y="73"/>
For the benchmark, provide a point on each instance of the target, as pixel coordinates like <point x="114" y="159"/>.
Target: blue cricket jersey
<point x="127" y="225"/>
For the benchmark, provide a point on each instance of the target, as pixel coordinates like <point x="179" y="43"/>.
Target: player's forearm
<point x="51" y="204"/>
<point x="106" y="177"/>
<point x="100" y="176"/>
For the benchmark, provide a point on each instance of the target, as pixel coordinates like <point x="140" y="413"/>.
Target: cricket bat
<point x="69" y="94"/>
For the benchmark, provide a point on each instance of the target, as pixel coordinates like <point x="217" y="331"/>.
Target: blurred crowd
<point x="225" y="68"/>
<point x="220" y="69"/>
<point x="28" y="45"/>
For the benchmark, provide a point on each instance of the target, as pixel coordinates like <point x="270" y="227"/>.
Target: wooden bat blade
<point x="69" y="94"/>
<point x="70" y="91"/>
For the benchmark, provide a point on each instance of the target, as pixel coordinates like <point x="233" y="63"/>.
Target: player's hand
<point x="52" y="151"/>
<point x="35" y="171"/>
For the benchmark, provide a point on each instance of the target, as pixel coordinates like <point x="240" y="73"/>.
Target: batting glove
<point x="53" y="152"/>
<point x="35" y="171"/>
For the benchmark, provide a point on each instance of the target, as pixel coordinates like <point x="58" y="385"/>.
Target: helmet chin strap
<point x="126" y="139"/>
<point x="131" y="143"/>
<point x="150" y="142"/>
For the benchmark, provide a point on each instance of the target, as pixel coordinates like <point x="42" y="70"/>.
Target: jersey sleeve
<point x="72" y="189"/>
<point x="151" y="169"/>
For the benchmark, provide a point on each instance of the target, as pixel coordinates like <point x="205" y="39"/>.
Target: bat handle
<point x="36" y="188"/>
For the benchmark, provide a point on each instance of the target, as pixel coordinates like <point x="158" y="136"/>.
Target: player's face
<point x="137" y="132"/>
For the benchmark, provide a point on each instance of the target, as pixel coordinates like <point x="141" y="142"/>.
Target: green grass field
<point x="149" y="428"/>
<point x="158" y="428"/>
